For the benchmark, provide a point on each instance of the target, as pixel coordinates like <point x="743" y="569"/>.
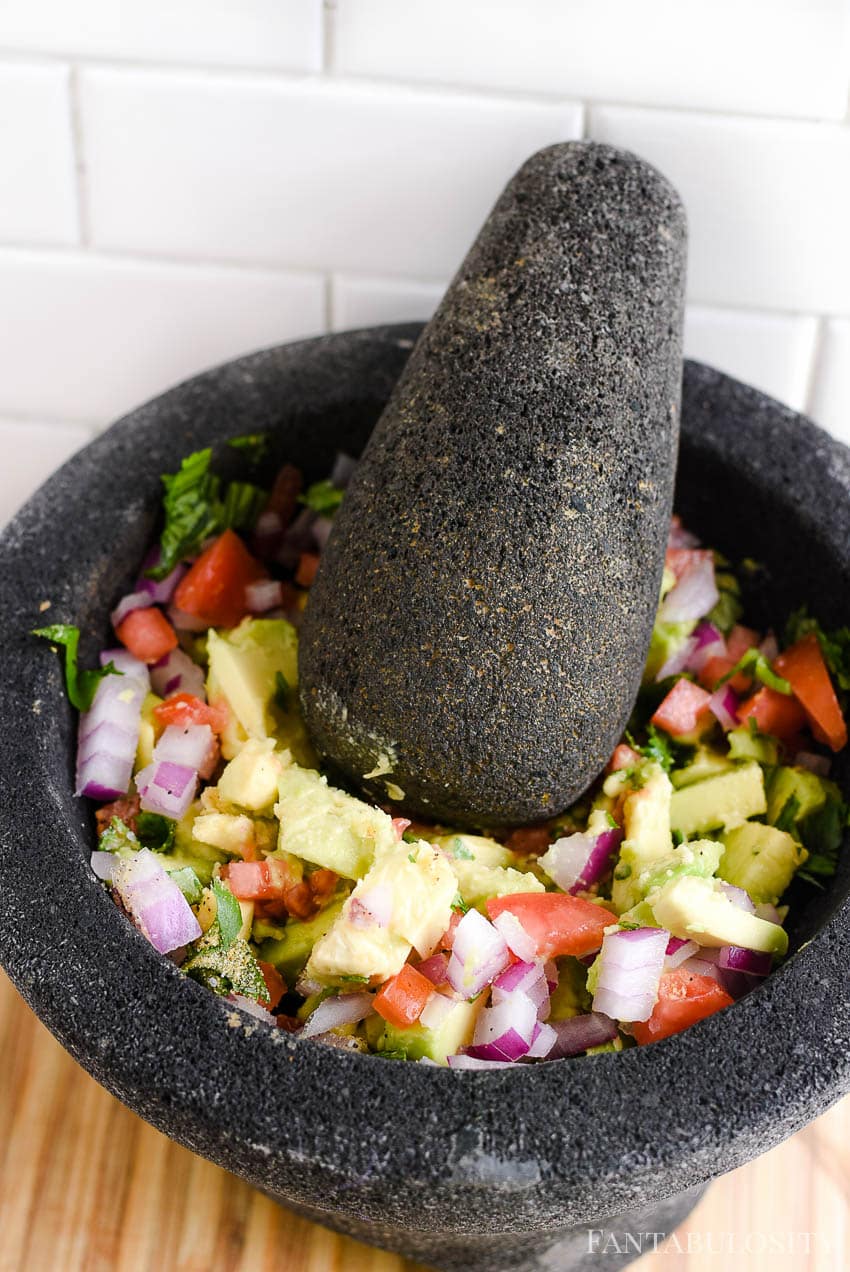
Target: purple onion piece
<point x="343" y="1009"/>
<point x="694" y="594"/>
<point x="630" y="967"/>
<point x="133" y="601"/>
<point x="723" y="704"/>
<point x="578" y="1033"/>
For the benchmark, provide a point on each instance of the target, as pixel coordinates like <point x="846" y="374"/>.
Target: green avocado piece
<point x="807" y="790"/>
<point x="646" y="813"/>
<point x="570" y="996"/>
<point x="415" y="1041"/>
<point x="328" y="827"/>
<point x="667" y="639"/>
<point x="700" y="857"/>
<point x="746" y="745"/>
<point x="722" y="801"/>
<point x="761" y="859"/>
<point x="485" y="868"/>
<point x="698" y="910"/>
<point x="705" y="763"/>
<point x="290" y="952"/>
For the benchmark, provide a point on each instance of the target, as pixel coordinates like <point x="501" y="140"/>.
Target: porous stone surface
<point x="474" y="641"/>
<point x="475" y="1171"/>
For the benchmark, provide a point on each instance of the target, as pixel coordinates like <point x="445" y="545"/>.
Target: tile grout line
<point x="80" y="184"/>
<point x="815" y="358"/>
<point x="328" y="37"/>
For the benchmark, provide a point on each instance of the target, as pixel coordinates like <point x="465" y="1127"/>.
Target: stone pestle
<point x="474" y="639"/>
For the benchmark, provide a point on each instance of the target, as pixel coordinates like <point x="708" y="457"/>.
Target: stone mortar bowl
<point x="460" y="1170"/>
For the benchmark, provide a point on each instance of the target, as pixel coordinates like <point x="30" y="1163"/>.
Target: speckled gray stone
<point x="472" y="1171"/>
<point x="479" y="624"/>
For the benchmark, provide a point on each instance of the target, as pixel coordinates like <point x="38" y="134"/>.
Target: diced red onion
<point x="342" y="1009"/>
<point x="103" y="776"/>
<point x="176" y="672"/>
<point x="678" y="951"/>
<point x="479" y="953"/>
<point x="166" y="788"/>
<point x="103" y="864"/>
<point x="769" y="647"/>
<point x="818" y="764"/>
<point x="125" y="662"/>
<point x="577" y="862"/>
<point x="753" y="962"/>
<point x="159" y="590"/>
<point x="435" y="1011"/>
<point x="695" y="592"/>
<point x="373" y="908"/>
<point x="542" y="1042"/>
<point x="723" y="704"/>
<point x="342" y="471"/>
<point x="678" y="661"/>
<point x="505" y="1031"/>
<point x="194" y="747"/>
<point x="467" y="1061"/>
<point x="435" y="968"/>
<point x="108" y="736"/>
<point x="708" y="643"/>
<point x="155" y="902"/>
<point x="738" y="897"/>
<point x="630" y="967"/>
<point x="106" y="739"/>
<point x="517" y="978"/>
<point x="516" y="938"/>
<point x="251" y="1008"/>
<point x="184" y="622"/>
<point x="702" y="966"/>
<point x="679" y="537"/>
<point x="117" y="700"/>
<point x="263" y="595"/>
<point x="577" y="1033"/>
<point x="133" y="601"/>
<point x="322" y="527"/>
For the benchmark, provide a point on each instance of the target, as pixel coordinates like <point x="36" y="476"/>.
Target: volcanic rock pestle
<point x="475" y="636"/>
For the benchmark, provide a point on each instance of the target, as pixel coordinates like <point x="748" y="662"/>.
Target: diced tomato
<point x="400" y="825"/>
<point x="776" y="713"/>
<point x="529" y="839"/>
<point x="805" y="669"/>
<point x="623" y="757"/>
<point x="322" y="884"/>
<point x="147" y="634"/>
<point x="447" y="940"/>
<point x="265" y="880"/>
<point x="714" y="671"/>
<point x="557" y="923"/>
<point x="740" y="639"/>
<point x="213" y="590"/>
<point x="400" y="999"/>
<point x="684" y="709"/>
<point x="275" y="986"/>
<point x="185" y="709"/>
<point x="683" y="999"/>
<point x="308" y="564"/>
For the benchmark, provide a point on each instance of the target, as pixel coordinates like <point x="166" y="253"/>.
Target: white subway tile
<point x="268" y="33"/>
<point x="29" y="452"/>
<point x="783" y="57"/>
<point x="767" y="203"/>
<point x="772" y="352"/>
<point x="386" y="181"/>
<point x="830" y="400"/>
<point x="38" y="202"/>
<point x="368" y="302"/>
<point x="87" y="338"/>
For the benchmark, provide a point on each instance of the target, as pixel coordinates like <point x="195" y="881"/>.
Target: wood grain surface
<point x="85" y="1186"/>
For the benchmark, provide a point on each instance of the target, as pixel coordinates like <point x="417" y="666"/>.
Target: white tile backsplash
<point x="312" y="174"/>
<point x="37" y="449"/>
<point x="772" y="352"/>
<point x="782" y="57"/>
<point x="88" y="338"/>
<point x="368" y="302"/>
<point x="767" y="203"/>
<point x="830" y="399"/>
<point x="266" y="33"/>
<point x="38" y="201"/>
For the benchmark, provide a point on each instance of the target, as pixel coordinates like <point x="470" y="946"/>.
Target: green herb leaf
<point x="460" y="852"/>
<point x="459" y="904"/>
<point x="728" y="609"/>
<point x="228" y="914"/>
<point x="155" y="832"/>
<point x="81" y="685"/>
<point x="409" y="838"/>
<point x="354" y="980"/>
<point x="192" y="511"/>
<point x="627" y="926"/>
<point x="678" y="838"/>
<point x="243" y="503"/>
<point x="787" y="818"/>
<point x="412" y="856"/>
<point x="660" y="747"/>
<point x="255" y="446"/>
<point x="118" y="838"/>
<point x="188" y="883"/>
<point x="822" y="833"/>
<point x="754" y="664"/>
<point x="322" y="497"/>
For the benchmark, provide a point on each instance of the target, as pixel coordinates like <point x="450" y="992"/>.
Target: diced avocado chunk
<point x="250" y="780"/>
<point x="254" y="668"/>
<point x="705" y="763"/>
<point x="646" y="814"/>
<point x="414" y="886"/>
<point x="700" y="857"/>
<point x="149" y="731"/>
<point x="463" y="847"/>
<point x="484" y="868"/>
<point x="232" y="833"/>
<point x="328" y="827"/>
<point x="807" y="790"/>
<point x="722" y="801"/>
<point x="289" y="953"/>
<point x="761" y="859"/>
<point x="667" y="639"/>
<point x="698" y="910"/>
<point x="746" y="745"/>
<point x="454" y="1031"/>
<point x="570" y="996"/>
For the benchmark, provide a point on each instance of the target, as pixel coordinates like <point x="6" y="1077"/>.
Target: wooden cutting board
<point x="86" y="1186"/>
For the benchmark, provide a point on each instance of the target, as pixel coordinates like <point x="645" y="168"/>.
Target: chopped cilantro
<point x="282" y="691"/>
<point x="754" y="664"/>
<point x="225" y="970"/>
<point x="628" y="926"/>
<point x="254" y="446"/>
<point x="788" y="815"/>
<point x="413" y="856"/>
<point x="460" y="852"/>
<point x="355" y="980"/>
<point x="118" y="837"/>
<point x="678" y="838"/>
<point x="243" y="502"/>
<point x="409" y="838"/>
<point x="392" y="1055"/>
<point x="822" y="833"/>
<point x="612" y="821"/>
<point x="728" y="608"/>
<point x="322" y="497"/>
<point x="660" y="747"/>
<point x="459" y="904"/>
<point x="81" y="685"/>
<point x="192" y="511"/>
<point x="623" y="871"/>
<point x="155" y="832"/>
<point x="228" y="914"/>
